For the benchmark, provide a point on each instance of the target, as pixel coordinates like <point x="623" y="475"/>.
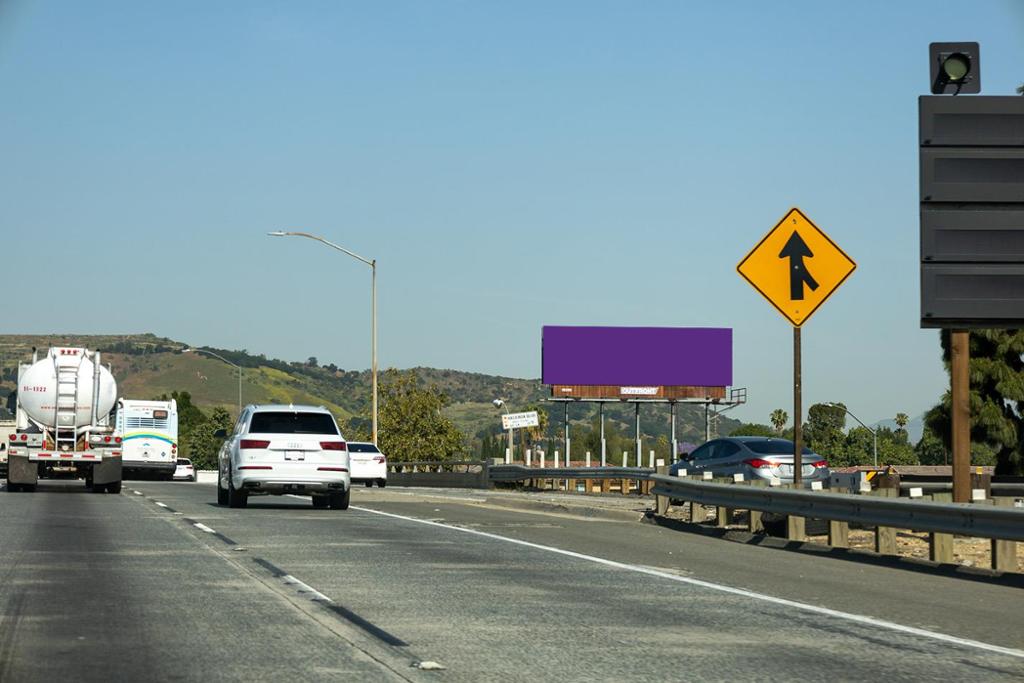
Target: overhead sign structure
<point x="796" y="267"/>
<point x="520" y="420"/>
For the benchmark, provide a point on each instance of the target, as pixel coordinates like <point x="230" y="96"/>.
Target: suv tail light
<point x="758" y="463"/>
<point x="821" y="463"/>
<point x="332" y="445"/>
<point x="253" y="443"/>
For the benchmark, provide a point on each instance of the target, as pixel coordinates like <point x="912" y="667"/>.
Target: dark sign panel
<point x="972" y="211"/>
<point x="637" y="356"/>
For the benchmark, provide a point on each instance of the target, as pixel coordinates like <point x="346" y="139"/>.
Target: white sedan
<point x="368" y="464"/>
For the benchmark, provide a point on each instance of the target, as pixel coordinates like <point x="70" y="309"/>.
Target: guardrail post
<point x="697" y="512"/>
<point x="838" y="534"/>
<point x="796" y="527"/>
<point x="1004" y="553"/>
<point x="661" y="502"/>
<point x="754" y="524"/>
<point x="940" y="546"/>
<point x="885" y="536"/>
<point x="606" y="486"/>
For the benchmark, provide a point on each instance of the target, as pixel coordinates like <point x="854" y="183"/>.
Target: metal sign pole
<point x="675" y="443"/>
<point x="604" y="453"/>
<point x="960" y="415"/>
<point x="798" y="437"/>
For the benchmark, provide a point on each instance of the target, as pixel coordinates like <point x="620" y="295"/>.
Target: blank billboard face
<point x="648" y="356"/>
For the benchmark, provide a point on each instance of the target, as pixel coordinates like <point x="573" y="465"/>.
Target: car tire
<point x="381" y="483"/>
<point x="236" y="498"/>
<point x="339" y="501"/>
<point x="222" y="494"/>
<point x="369" y="484"/>
<point x="321" y="502"/>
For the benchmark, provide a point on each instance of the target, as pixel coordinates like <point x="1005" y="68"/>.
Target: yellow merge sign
<point x="796" y="267"/>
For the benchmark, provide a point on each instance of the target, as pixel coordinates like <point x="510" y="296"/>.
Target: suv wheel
<point x="381" y="483"/>
<point x="236" y="498"/>
<point x="321" y="502"/>
<point x="339" y="501"/>
<point x="222" y="494"/>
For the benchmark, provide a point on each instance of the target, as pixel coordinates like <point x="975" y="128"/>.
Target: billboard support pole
<point x="707" y="421"/>
<point x="604" y="451"/>
<point x="639" y="447"/>
<point x="675" y="444"/>
<point x="567" y="441"/>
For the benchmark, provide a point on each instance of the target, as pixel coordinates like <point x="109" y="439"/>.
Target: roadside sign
<point x="796" y="267"/>
<point x="520" y="420"/>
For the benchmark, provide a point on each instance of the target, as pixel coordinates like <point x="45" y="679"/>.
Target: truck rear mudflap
<point x="100" y="467"/>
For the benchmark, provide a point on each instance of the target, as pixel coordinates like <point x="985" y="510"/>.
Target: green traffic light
<point x="956" y="67"/>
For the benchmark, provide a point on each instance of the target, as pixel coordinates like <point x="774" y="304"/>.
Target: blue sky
<point x="510" y="165"/>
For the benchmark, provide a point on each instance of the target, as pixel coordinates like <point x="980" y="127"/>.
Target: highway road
<point x="163" y="584"/>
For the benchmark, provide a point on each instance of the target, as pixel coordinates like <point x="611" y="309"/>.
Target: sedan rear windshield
<point x="362" y="448"/>
<point x="292" y="423"/>
<point x="774" y="447"/>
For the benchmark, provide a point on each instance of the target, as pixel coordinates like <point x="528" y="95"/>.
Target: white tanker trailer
<point x="63" y="422"/>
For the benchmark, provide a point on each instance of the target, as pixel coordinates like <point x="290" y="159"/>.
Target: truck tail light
<point x="332" y="445"/>
<point x="253" y="443"/>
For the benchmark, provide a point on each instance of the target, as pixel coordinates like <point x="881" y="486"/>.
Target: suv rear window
<point x="362" y="448"/>
<point x="774" y="447"/>
<point x="292" y="423"/>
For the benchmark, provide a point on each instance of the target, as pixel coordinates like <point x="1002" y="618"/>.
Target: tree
<point x="997" y="390"/>
<point x="901" y="420"/>
<point x="531" y="435"/>
<point x="203" y="445"/>
<point x="779" y="418"/>
<point x="753" y="429"/>
<point x="1020" y="89"/>
<point x="411" y="424"/>
<point x="823" y="433"/>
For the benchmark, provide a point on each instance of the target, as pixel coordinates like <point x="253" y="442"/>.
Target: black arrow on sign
<point x="795" y="250"/>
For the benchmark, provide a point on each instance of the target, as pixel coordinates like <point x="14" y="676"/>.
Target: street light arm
<point x="216" y="355"/>
<point x="279" y="233"/>
<point x="836" y="405"/>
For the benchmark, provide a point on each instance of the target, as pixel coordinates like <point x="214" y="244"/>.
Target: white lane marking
<point x="317" y="595"/>
<point x="203" y="527"/>
<point x="163" y="505"/>
<point x="137" y="493"/>
<point x="816" y="609"/>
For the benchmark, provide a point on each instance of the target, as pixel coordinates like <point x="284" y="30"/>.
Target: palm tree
<point x="1020" y="89"/>
<point x="779" y="418"/>
<point x="901" y="422"/>
<point x="534" y="434"/>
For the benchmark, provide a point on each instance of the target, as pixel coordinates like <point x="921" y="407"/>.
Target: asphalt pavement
<point x="164" y="584"/>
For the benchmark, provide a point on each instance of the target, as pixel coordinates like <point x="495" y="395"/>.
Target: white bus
<point x="149" y="436"/>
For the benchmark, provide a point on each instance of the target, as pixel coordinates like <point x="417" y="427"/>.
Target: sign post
<point x="796" y="267"/>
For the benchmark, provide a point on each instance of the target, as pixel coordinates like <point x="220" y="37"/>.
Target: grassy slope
<point x="214" y="383"/>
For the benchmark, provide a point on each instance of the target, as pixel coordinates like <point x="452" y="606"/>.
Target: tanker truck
<point x="62" y="422"/>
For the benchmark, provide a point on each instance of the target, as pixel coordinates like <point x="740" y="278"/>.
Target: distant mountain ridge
<point x="148" y="366"/>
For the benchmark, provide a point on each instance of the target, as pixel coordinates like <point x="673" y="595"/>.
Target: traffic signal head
<point x="955" y="68"/>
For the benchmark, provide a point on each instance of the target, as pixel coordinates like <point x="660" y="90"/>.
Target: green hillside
<point x="147" y="366"/>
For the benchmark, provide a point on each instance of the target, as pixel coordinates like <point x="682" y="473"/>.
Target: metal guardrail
<point x="985" y="521"/>
<point x="505" y="473"/>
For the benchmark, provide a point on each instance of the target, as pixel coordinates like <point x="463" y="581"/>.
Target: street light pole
<point x="236" y="367"/>
<point x="373" y="308"/>
<point x="874" y="432"/>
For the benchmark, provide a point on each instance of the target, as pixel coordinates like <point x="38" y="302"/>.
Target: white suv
<point x="277" y="449"/>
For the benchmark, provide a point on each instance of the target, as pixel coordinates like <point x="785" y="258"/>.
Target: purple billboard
<point x="649" y="356"/>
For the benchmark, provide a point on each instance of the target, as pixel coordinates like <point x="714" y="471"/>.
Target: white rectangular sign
<point x="520" y="420"/>
<point x="638" y="391"/>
